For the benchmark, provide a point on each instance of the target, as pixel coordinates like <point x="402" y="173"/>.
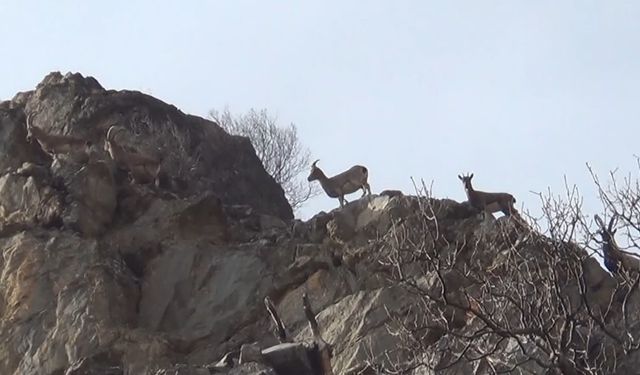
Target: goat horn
<point x="613" y="219"/>
<point x="109" y="132"/>
<point x="314" y="163"/>
<point x="112" y="129"/>
<point x="29" y="120"/>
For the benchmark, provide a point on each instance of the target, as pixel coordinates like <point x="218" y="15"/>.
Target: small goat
<point x="614" y="257"/>
<point x="341" y="184"/>
<point x="55" y="144"/>
<point x="488" y="202"/>
<point x="141" y="166"/>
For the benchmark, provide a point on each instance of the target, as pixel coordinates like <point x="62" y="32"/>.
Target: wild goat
<point x="143" y="167"/>
<point x="346" y="182"/>
<point x="488" y="202"/>
<point x="614" y="257"/>
<point x="55" y="144"/>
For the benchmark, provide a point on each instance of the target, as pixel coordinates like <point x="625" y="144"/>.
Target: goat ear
<point x="471" y="176"/>
<point x="599" y="221"/>
<point x="314" y="163"/>
<point x="460" y="177"/>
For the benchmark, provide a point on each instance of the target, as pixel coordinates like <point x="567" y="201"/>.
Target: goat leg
<point x="343" y="201"/>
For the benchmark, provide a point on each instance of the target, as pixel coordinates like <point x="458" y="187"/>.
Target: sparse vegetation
<point x="520" y="298"/>
<point x="282" y="154"/>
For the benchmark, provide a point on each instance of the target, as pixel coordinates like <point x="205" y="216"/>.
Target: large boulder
<point x="27" y="199"/>
<point x="195" y="151"/>
<point x="91" y="197"/>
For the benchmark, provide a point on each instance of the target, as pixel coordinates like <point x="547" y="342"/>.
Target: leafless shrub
<point x="162" y="136"/>
<point x="279" y="149"/>
<point x="503" y="297"/>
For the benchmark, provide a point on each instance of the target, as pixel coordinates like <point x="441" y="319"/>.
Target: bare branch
<point x="278" y="147"/>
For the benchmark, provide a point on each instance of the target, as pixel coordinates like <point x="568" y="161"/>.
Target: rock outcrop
<point x="101" y="275"/>
<point x="194" y="150"/>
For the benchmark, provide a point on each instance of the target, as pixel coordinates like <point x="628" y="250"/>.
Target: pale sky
<point x="520" y="93"/>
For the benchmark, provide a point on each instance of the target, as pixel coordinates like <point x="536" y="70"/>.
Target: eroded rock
<point x="100" y="274"/>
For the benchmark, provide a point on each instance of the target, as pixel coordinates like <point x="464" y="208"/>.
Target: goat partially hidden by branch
<point x="341" y="184"/>
<point x="55" y="144"/>
<point x="614" y="257"/>
<point x="488" y="202"/>
<point x="143" y="167"/>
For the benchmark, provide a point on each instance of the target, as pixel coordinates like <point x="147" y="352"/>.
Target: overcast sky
<point x="521" y="93"/>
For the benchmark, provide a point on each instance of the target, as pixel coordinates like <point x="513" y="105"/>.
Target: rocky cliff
<point x="102" y="275"/>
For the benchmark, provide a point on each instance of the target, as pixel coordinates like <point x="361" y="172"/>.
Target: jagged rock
<point x="192" y="291"/>
<point x="238" y="211"/>
<point x="250" y="353"/>
<point x="26" y="202"/>
<point x="323" y="287"/>
<point x="391" y="193"/>
<point x="93" y="197"/>
<point x="101" y="363"/>
<point x="367" y="218"/>
<point x="200" y="150"/>
<point x="356" y="325"/>
<point x="341" y="228"/>
<point x="299" y="229"/>
<point x="102" y="275"/>
<point x="61" y="301"/>
<point x="14" y="148"/>
<point x="317" y="227"/>
<point x="268" y="222"/>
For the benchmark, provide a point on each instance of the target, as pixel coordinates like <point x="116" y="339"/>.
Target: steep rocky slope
<point x="103" y="276"/>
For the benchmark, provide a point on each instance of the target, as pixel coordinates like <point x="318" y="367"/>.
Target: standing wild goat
<point x="488" y="202"/>
<point x="341" y="184"/>
<point x="142" y="167"/>
<point x="614" y="257"/>
<point x="55" y="144"/>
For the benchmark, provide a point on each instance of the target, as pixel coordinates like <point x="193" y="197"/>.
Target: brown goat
<point x="488" y="202"/>
<point x="613" y="256"/>
<point x="341" y="184"/>
<point x="55" y="144"/>
<point x="143" y="167"/>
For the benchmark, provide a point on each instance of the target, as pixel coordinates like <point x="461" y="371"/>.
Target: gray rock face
<point x="27" y="200"/>
<point x="91" y="197"/>
<point x="100" y="275"/>
<point x="96" y="269"/>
